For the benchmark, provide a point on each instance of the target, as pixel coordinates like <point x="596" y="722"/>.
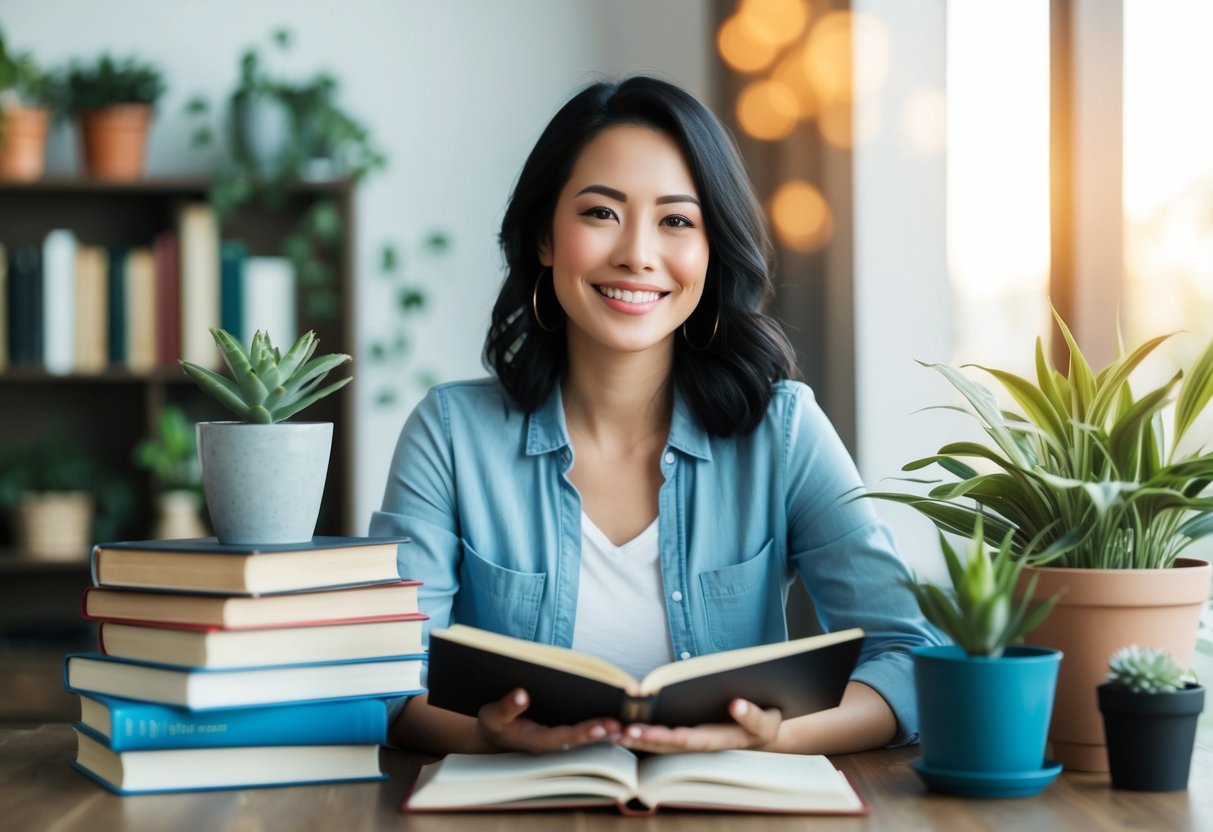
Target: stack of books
<point x="227" y="666"/>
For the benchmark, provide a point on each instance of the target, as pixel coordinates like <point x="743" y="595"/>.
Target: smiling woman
<point x="642" y="481"/>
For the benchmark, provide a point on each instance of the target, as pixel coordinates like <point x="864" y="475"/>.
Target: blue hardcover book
<point x="207" y="769"/>
<point x="127" y="725"/>
<point x="232" y="256"/>
<point x="199" y="689"/>
<point x="117" y="305"/>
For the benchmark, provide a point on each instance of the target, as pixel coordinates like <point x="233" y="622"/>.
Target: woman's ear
<point x="545" y="253"/>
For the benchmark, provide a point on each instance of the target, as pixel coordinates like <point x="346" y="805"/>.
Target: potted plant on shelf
<point x="1088" y="468"/>
<point x="26" y="95"/>
<point x="113" y="103"/>
<point x="1150" y="706"/>
<point x="171" y="455"/>
<point x="264" y="477"/>
<point x="984" y="702"/>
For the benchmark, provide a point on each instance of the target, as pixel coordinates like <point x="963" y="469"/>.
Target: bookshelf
<point x="109" y="412"/>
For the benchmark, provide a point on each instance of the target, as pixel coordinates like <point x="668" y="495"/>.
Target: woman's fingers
<point x="503" y="722"/>
<point x="753" y="728"/>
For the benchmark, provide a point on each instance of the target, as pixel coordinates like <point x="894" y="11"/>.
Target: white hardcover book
<point x="58" y="301"/>
<point x="140" y="310"/>
<point x="199" y="240"/>
<point x="269" y="300"/>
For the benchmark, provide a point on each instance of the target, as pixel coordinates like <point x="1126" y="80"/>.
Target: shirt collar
<point x="546" y="430"/>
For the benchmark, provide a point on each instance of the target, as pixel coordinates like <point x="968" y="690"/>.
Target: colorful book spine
<point x="58" y="304"/>
<point x="25" y="306"/>
<point x="143" y="726"/>
<point x="232" y="255"/>
<point x="117" y="305"/>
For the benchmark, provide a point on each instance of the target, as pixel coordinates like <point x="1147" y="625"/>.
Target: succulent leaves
<point x="1146" y="670"/>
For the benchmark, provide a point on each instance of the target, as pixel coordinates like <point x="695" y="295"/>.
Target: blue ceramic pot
<point x="979" y="714"/>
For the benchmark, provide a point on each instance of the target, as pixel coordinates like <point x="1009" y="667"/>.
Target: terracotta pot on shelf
<point x="1100" y="611"/>
<point x="113" y="141"/>
<point x="23" y="143"/>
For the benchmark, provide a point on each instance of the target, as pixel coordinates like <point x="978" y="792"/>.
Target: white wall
<point x="455" y="92"/>
<point x="902" y="297"/>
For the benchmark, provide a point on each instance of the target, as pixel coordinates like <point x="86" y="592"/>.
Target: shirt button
<point x="669" y="458"/>
<point x="685" y="655"/>
<point x="676" y="595"/>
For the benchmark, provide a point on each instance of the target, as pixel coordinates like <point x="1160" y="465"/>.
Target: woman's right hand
<point x="504" y="727"/>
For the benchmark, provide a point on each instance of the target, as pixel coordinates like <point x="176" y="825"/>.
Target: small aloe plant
<point x="1146" y="670"/>
<point x="265" y="386"/>
<point x="981" y="614"/>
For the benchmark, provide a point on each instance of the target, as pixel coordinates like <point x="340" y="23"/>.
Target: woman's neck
<point x="619" y="399"/>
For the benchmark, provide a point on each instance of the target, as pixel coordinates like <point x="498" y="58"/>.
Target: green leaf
<point x="1082" y="382"/>
<point x="986" y="406"/>
<point x="292" y="409"/>
<point x="1115" y="376"/>
<point x="1032" y="399"/>
<point x="220" y="388"/>
<point x="1195" y="393"/>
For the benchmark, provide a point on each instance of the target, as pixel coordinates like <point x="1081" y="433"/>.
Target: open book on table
<point x="608" y="775"/>
<point x="471" y="667"/>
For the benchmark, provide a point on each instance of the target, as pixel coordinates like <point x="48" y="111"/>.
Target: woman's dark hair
<point x="728" y="384"/>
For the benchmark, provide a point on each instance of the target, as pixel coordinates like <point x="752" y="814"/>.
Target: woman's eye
<point x="599" y="213"/>
<point x="678" y="221"/>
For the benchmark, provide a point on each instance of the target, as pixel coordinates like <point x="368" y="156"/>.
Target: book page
<point x="594" y="771"/>
<point x="698" y="666"/>
<point x="761" y="779"/>
<point x="546" y="655"/>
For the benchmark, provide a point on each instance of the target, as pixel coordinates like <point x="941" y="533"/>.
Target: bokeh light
<point x="744" y="46"/>
<point x="767" y="110"/>
<point x="801" y="216"/>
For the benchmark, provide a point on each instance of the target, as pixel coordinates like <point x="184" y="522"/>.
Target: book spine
<point x="232" y="256"/>
<point x="58" y="303"/>
<point x="168" y="299"/>
<point x="198" y="240"/>
<point x="143" y="726"/>
<point x="117" y="306"/>
<point x="636" y="709"/>
<point x="140" y="310"/>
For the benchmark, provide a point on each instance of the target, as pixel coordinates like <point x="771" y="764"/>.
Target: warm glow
<point x="924" y="122"/>
<point x="801" y="216"/>
<point x="997" y="140"/>
<point x="744" y="46"/>
<point x="781" y="21"/>
<point x="832" y="44"/>
<point x="767" y="110"/>
<point x="793" y="72"/>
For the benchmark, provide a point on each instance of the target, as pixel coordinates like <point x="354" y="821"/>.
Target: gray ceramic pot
<point x="264" y="483"/>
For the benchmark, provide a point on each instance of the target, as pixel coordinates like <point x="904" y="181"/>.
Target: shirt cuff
<point x="892" y="676"/>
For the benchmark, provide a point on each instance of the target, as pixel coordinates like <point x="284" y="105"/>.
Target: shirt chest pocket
<point x="496" y="598"/>
<point x="743" y="602"/>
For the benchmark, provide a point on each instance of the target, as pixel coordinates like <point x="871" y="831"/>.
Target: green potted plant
<point x="27" y="93"/>
<point x="1088" y="467"/>
<point x="1150" y="706"/>
<point x="113" y="102"/>
<point x="171" y="455"/>
<point x="264" y="476"/>
<point x="984" y="702"/>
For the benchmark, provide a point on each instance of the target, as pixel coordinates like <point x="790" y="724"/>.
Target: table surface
<point x="39" y="791"/>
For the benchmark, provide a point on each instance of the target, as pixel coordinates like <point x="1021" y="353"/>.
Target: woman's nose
<point x="634" y="249"/>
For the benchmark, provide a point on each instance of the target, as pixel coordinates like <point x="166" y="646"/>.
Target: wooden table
<point x="39" y="792"/>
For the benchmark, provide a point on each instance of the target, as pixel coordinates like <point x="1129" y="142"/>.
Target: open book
<point x="471" y="667"/>
<point x="605" y="775"/>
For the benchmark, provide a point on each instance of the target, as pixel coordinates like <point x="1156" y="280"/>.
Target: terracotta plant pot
<point x="113" y="141"/>
<point x="55" y="525"/>
<point x="23" y="143"/>
<point x="1100" y="611"/>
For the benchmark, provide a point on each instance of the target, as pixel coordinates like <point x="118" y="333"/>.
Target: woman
<point x="641" y="480"/>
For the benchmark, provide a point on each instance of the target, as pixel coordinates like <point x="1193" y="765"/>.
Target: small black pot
<point x="1150" y="736"/>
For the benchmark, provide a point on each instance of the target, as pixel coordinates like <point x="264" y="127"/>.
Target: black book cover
<point x="25" y="306"/>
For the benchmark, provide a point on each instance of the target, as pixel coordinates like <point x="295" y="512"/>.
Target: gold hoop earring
<point x="715" y="327"/>
<point x="535" y="304"/>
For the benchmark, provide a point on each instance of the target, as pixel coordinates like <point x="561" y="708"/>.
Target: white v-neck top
<point x="621" y="613"/>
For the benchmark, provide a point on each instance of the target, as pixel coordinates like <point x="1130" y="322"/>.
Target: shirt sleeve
<point x="848" y="561"/>
<point x="419" y="503"/>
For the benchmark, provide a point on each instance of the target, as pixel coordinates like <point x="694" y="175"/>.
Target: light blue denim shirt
<point x="481" y="488"/>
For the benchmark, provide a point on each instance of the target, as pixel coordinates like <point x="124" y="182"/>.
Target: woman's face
<point x="628" y="251"/>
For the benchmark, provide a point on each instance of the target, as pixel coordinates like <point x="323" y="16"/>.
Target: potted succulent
<point x="984" y="702"/>
<point x="1150" y="705"/>
<point x="1089" y="468"/>
<point x="26" y="95"/>
<point x="263" y="476"/>
<point x="113" y="103"/>
<point x="171" y="455"/>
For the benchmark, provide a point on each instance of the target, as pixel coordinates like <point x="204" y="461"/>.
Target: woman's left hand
<point x="754" y="728"/>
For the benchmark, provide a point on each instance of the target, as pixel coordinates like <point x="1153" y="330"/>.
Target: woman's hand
<point x="504" y="728"/>
<point x="754" y="728"/>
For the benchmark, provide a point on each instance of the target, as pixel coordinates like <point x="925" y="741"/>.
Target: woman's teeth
<point x="627" y="295"/>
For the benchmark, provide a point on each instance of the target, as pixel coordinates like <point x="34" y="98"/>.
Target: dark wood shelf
<point x="115" y="375"/>
<point x="156" y="185"/>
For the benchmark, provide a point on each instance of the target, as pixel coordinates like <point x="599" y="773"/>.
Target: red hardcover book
<point x="166" y="252"/>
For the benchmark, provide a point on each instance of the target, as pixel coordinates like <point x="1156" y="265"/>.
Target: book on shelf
<point x="268" y="302"/>
<point x="167" y="255"/>
<point x="92" y="310"/>
<point x="127" y="725"/>
<point x="3" y="308"/>
<point x="198" y="769"/>
<point x="232" y="255"/>
<point x="206" y="689"/>
<point x="58" y="300"/>
<point x="205" y="565"/>
<point x="332" y="606"/>
<point x="608" y="775"/>
<point x="25" y="344"/>
<point x="211" y="648"/>
<point x="117" y="322"/>
<point x="140" y="313"/>
<point x="198" y="241"/>
<point x="470" y="667"/>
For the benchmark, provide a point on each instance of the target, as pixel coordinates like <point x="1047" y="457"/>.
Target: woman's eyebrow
<point x="620" y="196"/>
